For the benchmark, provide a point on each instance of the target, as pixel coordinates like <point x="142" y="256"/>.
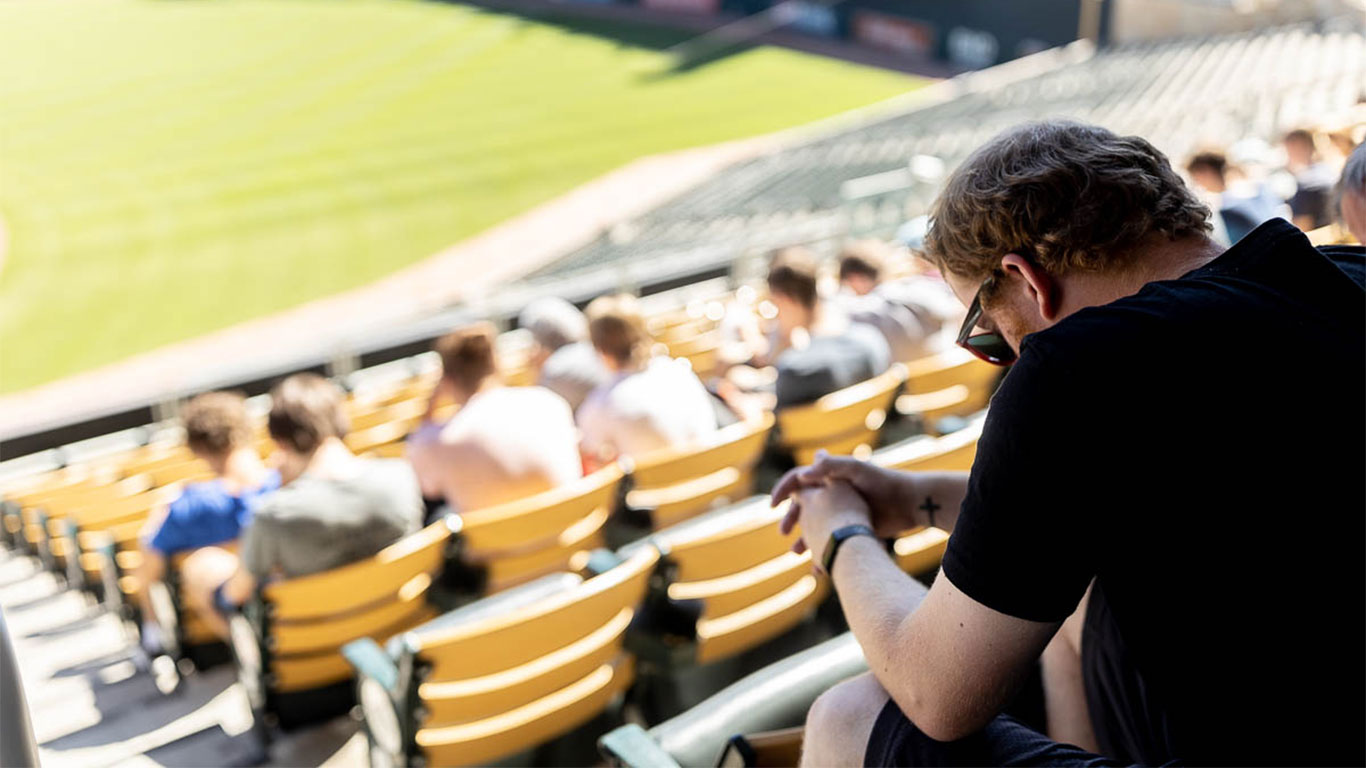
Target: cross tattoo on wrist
<point x="929" y="506"/>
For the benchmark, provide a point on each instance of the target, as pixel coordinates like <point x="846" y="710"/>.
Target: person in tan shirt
<point x="504" y="443"/>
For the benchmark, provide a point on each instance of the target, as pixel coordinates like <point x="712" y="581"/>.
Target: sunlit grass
<point x="169" y="167"/>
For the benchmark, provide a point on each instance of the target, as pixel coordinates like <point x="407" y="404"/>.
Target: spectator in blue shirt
<point x="217" y="430"/>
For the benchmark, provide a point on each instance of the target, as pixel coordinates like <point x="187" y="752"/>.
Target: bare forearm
<point x="877" y="596"/>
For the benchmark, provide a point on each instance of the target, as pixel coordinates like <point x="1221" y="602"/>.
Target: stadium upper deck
<point x="1178" y="94"/>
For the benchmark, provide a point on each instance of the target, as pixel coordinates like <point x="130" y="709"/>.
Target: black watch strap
<point x="838" y="537"/>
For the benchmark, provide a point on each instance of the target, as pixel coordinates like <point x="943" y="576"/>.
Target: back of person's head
<point x="305" y="410"/>
<point x="553" y="322"/>
<point x="1352" y="193"/>
<point x="863" y="260"/>
<point x="467" y="357"/>
<point x="1209" y="161"/>
<point x="792" y="272"/>
<point x="217" y="423"/>
<point x="1300" y="145"/>
<point x="617" y="329"/>
<point x="1067" y="196"/>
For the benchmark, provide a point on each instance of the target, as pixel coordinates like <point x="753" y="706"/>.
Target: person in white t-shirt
<point x="648" y="403"/>
<point x="504" y="443"/>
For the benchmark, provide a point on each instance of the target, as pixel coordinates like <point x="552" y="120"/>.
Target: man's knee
<point x="841" y="720"/>
<point x="204" y="571"/>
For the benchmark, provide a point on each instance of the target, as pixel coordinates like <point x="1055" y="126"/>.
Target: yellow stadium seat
<point x="384" y="436"/>
<point x="502" y="675"/>
<point x="949" y="383"/>
<point x="750" y="584"/>
<point x="703" y="352"/>
<point x="404" y="411"/>
<point x="954" y="451"/>
<point x="515" y="542"/>
<point x="843" y="422"/>
<point x="288" y="639"/>
<point x="674" y="484"/>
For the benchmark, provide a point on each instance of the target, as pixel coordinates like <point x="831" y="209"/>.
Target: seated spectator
<point x="332" y="509"/>
<point x="909" y="312"/>
<point x="815" y="347"/>
<point x="562" y="357"/>
<point x="217" y="430"/>
<point x="1241" y="203"/>
<point x="1311" y="206"/>
<point x="1118" y="470"/>
<point x="649" y="402"/>
<point x="1352" y="194"/>
<point x="504" y="443"/>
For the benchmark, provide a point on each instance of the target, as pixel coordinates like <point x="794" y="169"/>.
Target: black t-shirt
<point x="1199" y="449"/>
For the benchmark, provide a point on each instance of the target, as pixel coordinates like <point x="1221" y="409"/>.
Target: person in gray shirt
<point x="333" y="508"/>
<point x="564" y="359"/>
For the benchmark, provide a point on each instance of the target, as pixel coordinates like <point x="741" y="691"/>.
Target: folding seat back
<point x="404" y="411"/>
<point x="505" y="674"/>
<point x="750" y="586"/>
<point x="949" y="383"/>
<point x="156" y="458"/>
<point x="518" y="541"/>
<point x="384" y="440"/>
<point x="702" y="352"/>
<point x="674" y="484"/>
<point x="288" y="639"/>
<point x="843" y="422"/>
<point x="952" y="452"/>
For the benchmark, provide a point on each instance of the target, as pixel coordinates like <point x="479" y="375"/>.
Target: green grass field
<point x="169" y="167"/>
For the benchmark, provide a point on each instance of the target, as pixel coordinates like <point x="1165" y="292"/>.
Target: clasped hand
<point x="837" y="491"/>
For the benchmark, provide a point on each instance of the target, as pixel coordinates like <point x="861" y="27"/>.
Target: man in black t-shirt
<point x="1183" y="432"/>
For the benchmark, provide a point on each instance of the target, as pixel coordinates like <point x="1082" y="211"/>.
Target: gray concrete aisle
<point x="92" y="707"/>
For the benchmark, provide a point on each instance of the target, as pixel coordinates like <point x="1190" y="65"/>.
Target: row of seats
<point x="731" y="566"/>
<point x="493" y="678"/>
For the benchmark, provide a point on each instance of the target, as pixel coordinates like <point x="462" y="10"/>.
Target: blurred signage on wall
<point x="893" y="33"/>
<point x="684" y="6"/>
<point x="809" y="17"/>
<point x="972" y="48"/>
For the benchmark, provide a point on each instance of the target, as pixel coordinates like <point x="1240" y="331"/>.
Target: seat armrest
<point x="632" y="747"/>
<point x="371" y="661"/>
<point x="777" y="696"/>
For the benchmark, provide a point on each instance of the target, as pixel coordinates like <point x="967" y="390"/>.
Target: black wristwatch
<point x="838" y="537"/>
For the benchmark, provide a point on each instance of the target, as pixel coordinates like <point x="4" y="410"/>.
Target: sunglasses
<point x="990" y="346"/>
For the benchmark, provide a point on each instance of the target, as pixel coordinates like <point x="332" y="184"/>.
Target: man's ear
<point x="1043" y="290"/>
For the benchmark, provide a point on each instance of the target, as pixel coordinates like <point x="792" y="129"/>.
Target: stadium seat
<point x="776" y="697"/>
<point x="703" y="352"/>
<point x="287" y="640"/>
<point x="384" y="440"/>
<point x="952" y="383"/>
<point x="512" y="543"/>
<point x="43" y="518"/>
<point x="843" y="422"/>
<point x="76" y="535"/>
<point x="672" y="485"/>
<point x="735" y="566"/>
<point x="502" y="675"/>
<point x="954" y="451"/>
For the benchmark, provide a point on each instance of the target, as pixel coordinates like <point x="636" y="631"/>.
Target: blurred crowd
<point x="1301" y="180"/>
